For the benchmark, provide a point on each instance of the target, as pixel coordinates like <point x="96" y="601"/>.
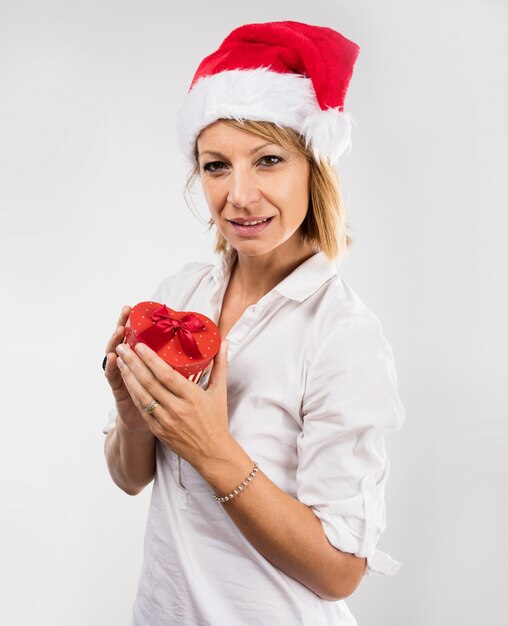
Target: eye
<point x="215" y="166"/>
<point x="210" y="167"/>
<point x="272" y="156"/>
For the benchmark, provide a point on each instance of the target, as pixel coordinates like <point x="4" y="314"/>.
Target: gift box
<point x="188" y="341"/>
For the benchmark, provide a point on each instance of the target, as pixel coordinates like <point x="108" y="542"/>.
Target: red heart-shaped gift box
<point x="186" y="340"/>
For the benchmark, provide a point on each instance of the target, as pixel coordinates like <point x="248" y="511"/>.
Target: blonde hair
<point x="325" y="225"/>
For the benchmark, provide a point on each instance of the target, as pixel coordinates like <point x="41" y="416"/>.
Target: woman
<point x="269" y="476"/>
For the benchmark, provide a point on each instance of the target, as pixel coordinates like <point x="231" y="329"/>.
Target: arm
<point x="130" y="457"/>
<point x="129" y="446"/>
<point x="282" y="529"/>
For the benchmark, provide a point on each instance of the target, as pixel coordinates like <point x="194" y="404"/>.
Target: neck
<point x="255" y="276"/>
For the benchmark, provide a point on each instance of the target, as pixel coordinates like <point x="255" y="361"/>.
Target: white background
<point x="93" y="217"/>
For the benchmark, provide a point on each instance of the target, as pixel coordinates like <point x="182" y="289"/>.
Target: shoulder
<point x="187" y="277"/>
<point x="349" y="358"/>
<point x="340" y="307"/>
<point x="344" y="329"/>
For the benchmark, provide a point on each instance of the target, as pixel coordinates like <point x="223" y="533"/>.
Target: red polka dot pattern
<point x="208" y="340"/>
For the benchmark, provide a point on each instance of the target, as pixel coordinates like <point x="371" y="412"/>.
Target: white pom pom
<point x="328" y="133"/>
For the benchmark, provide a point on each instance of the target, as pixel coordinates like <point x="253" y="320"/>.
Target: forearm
<point x="130" y="458"/>
<point x="282" y="529"/>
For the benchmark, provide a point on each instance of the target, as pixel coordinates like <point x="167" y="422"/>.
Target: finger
<point x="141" y="397"/>
<point x="120" y="325"/>
<point x="172" y="380"/>
<point x="124" y="315"/>
<point x="119" y="332"/>
<point x="148" y="380"/>
<point x="115" y="339"/>
<point x="111" y="370"/>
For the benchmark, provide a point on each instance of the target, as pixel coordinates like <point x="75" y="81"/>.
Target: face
<point x="246" y="179"/>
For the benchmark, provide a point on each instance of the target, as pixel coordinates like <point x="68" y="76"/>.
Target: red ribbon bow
<point x="166" y="326"/>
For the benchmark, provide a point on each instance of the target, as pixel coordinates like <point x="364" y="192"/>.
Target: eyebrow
<point x="253" y="151"/>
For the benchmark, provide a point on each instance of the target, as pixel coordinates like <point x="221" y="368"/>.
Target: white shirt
<point x="311" y="393"/>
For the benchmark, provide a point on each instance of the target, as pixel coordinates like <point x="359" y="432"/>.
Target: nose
<point x="243" y="188"/>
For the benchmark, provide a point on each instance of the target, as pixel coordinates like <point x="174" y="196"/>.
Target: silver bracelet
<point x="239" y="488"/>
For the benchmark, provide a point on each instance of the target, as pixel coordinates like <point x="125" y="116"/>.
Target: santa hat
<point x="289" y="73"/>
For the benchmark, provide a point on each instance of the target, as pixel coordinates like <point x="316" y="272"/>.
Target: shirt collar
<point x="307" y="278"/>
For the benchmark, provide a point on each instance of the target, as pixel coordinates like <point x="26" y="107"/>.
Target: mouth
<point x="250" y="227"/>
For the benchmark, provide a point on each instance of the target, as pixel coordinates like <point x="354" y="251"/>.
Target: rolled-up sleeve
<point x="350" y="402"/>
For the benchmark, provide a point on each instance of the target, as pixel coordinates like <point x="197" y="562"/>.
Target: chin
<point x="256" y="248"/>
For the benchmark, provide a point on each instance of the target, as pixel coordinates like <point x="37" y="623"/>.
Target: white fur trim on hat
<point x="260" y="94"/>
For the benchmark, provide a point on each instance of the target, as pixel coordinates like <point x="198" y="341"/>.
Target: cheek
<point x="295" y="194"/>
<point x="214" y="195"/>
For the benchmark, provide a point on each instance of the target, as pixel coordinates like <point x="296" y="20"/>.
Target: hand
<point x="127" y="410"/>
<point x="191" y="421"/>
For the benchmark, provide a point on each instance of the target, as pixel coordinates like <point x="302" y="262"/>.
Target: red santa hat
<point x="289" y="73"/>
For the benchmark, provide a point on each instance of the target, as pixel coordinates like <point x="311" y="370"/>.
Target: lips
<point x="242" y="220"/>
<point x="246" y="231"/>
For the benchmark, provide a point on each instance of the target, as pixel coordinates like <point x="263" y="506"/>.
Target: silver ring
<point x="152" y="406"/>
